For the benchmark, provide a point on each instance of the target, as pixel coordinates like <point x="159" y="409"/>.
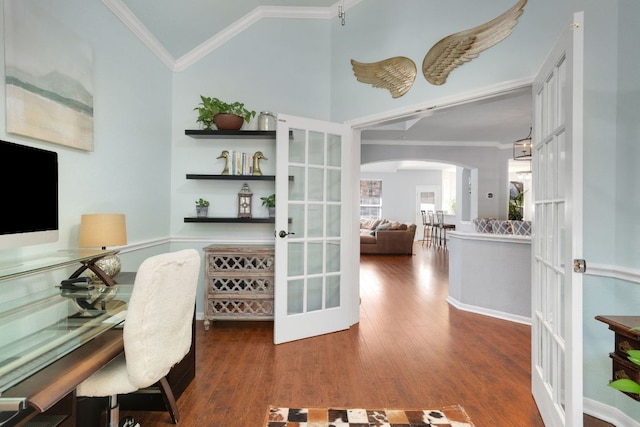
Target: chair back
<point x="425" y="220"/>
<point x="430" y="215"/>
<point x="157" y="329"/>
<point x="440" y="217"/>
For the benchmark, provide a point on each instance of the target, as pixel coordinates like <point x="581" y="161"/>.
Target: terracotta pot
<point x="228" y="121"/>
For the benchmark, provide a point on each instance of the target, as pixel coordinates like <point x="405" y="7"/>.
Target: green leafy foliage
<point x="269" y="201"/>
<point x="202" y="203"/>
<point x="209" y="107"/>
<point x="624" y="384"/>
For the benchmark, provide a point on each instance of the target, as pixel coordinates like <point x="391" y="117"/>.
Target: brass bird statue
<point x="256" y="162"/>
<point x="227" y="164"/>
<point x="395" y="74"/>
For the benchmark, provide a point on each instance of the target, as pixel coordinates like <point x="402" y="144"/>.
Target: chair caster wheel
<point x="128" y="422"/>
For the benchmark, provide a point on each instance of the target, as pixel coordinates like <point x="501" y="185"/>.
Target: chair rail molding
<point x="614" y="271"/>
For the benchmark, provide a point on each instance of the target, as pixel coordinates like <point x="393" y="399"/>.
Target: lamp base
<point x="110" y="264"/>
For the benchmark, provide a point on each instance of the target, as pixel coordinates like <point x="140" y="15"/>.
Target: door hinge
<point x="579" y="265"/>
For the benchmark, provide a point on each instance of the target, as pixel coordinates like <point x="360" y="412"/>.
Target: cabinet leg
<point x="206" y="324"/>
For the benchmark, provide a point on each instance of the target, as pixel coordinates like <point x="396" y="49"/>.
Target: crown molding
<point x="257" y="14"/>
<point x="128" y="18"/>
<point x="131" y="21"/>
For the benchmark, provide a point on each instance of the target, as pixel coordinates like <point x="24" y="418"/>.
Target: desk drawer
<point x="623" y="368"/>
<point x="232" y="284"/>
<point x="239" y="308"/>
<point x="625" y="343"/>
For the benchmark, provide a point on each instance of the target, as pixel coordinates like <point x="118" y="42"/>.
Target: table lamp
<point x="102" y="230"/>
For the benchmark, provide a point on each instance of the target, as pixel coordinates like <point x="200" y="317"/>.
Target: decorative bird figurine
<point x="227" y="165"/>
<point x="256" y="162"/>
<point x="449" y="53"/>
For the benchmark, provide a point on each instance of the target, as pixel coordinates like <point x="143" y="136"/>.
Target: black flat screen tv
<point x="29" y="195"/>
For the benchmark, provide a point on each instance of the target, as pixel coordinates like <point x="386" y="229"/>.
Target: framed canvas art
<point x="48" y="78"/>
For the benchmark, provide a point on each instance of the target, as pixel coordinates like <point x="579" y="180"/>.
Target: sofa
<point x="384" y="237"/>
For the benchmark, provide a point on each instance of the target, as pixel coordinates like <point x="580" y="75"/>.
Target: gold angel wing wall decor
<point x="456" y="49"/>
<point x="396" y="74"/>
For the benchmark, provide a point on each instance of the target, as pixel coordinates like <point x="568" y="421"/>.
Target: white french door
<point x="312" y="212"/>
<point x="556" y="330"/>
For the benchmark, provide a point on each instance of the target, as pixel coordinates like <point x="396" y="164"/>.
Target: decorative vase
<point x="228" y="121"/>
<point x="272" y="212"/>
<point x="202" y="211"/>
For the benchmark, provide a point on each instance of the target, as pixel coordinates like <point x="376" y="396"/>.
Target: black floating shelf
<point x="231" y="134"/>
<point x="233" y="220"/>
<point x="235" y="177"/>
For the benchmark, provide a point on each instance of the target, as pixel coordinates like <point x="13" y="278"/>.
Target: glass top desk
<point x="40" y="328"/>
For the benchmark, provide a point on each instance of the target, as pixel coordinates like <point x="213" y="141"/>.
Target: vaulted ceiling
<point x="177" y="28"/>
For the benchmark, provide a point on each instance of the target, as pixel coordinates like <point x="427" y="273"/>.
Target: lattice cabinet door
<point x="239" y="283"/>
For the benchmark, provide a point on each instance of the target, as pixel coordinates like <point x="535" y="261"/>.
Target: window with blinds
<point x="371" y="198"/>
<point x="428" y="201"/>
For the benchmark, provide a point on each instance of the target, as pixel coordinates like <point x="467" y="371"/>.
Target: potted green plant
<point x="270" y="203"/>
<point x="224" y="115"/>
<point x="202" y="208"/>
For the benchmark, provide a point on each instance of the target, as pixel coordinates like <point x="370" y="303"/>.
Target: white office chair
<point x="157" y="332"/>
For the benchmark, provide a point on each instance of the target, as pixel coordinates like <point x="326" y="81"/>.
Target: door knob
<point x="284" y="234"/>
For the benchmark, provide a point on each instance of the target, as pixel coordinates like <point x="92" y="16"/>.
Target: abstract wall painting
<point x="48" y="78"/>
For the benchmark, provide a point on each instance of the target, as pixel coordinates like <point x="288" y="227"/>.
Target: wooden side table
<point x="239" y="283"/>
<point x="626" y="339"/>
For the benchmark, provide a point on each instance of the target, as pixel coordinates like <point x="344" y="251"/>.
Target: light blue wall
<point x="129" y="170"/>
<point x="378" y="29"/>
<point x="611" y="195"/>
<point x="276" y="65"/>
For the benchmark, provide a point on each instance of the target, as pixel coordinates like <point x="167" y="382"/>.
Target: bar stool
<point x="440" y="228"/>
<point x="426" y="227"/>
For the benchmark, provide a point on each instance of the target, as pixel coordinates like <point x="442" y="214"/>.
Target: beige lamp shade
<point x="102" y="230"/>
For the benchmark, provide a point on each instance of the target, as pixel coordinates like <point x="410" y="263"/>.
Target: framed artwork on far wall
<point x="48" y="78"/>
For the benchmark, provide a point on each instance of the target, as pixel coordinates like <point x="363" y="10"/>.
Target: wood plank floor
<point x="411" y="349"/>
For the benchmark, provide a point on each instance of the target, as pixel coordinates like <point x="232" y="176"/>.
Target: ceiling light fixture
<point x="522" y="148"/>
<point x="341" y="12"/>
<point x="525" y="175"/>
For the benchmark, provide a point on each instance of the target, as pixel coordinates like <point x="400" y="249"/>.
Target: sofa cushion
<point x="482" y="225"/>
<point x="367" y="239"/>
<point x="385" y="226"/>
<point x="521" y="228"/>
<point x="370" y="223"/>
<point x="501" y="226"/>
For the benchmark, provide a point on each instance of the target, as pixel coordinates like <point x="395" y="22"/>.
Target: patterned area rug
<point x="450" y="416"/>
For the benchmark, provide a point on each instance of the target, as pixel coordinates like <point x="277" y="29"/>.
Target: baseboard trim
<point x="608" y="413"/>
<point x="488" y="312"/>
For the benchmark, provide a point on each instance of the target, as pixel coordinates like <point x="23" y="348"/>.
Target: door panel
<point x="311" y="296"/>
<point x="556" y="330"/>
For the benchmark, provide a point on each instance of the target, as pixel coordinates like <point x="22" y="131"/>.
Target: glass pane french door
<point x="310" y="295"/>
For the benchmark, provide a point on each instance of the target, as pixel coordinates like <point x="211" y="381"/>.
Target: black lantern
<point x="522" y="148"/>
<point x="244" y="202"/>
